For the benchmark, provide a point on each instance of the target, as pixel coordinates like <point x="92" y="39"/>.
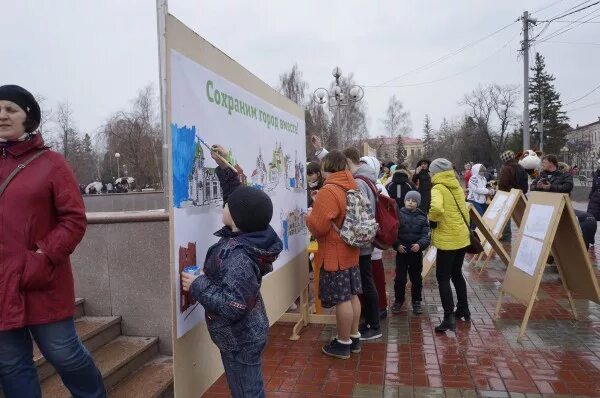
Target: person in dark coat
<point x="588" y="225"/>
<point x="413" y="239"/>
<point x="551" y="179"/>
<point x="400" y="186"/>
<point x="229" y="285"/>
<point x="594" y="199"/>
<point x="43" y="221"/>
<point x="422" y="179"/>
<point x="512" y="175"/>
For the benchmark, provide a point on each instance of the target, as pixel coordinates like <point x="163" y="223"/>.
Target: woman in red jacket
<point x="42" y="220"/>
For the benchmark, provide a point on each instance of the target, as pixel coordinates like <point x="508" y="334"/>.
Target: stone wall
<point x="134" y="201"/>
<point x="122" y="268"/>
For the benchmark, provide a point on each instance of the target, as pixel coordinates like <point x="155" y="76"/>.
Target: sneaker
<point x="397" y="307"/>
<point x="417" y="309"/>
<point x="355" y="347"/>
<point x="371" y="334"/>
<point x="363" y="327"/>
<point x="336" y="349"/>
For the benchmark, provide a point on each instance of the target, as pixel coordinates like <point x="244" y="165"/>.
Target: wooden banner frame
<point x="562" y="237"/>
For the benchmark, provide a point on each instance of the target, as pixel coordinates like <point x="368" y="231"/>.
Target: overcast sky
<point x="99" y="54"/>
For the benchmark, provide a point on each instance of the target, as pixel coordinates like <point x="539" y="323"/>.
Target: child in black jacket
<point x="413" y="239"/>
<point x="229" y="286"/>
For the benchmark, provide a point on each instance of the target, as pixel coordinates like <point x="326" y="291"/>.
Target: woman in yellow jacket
<point x="450" y="235"/>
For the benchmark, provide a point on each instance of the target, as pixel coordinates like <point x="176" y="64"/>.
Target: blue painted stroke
<point x="183" y="160"/>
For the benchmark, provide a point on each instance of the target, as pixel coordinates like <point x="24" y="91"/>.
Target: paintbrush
<point x="221" y="158"/>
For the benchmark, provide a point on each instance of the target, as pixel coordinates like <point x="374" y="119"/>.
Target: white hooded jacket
<point x="477" y="190"/>
<point x="374" y="163"/>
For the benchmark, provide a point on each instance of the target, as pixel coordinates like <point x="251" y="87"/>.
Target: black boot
<point x="463" y="313"/>
<point x="449" y="323"/>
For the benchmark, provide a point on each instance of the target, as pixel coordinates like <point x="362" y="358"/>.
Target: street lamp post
<point x="118" y="156"/>
<point x="565" y="152"/>
<point x="338" y="98"/>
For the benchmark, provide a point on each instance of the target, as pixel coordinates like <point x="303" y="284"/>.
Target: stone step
<point x="79" y="310"/>
<point x="153" y="380"/>
<point x="94" y="332"/>
<point x="116" y="360"/>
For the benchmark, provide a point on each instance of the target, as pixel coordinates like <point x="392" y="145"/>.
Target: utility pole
<point x="525" y="48"/>
<point x="541" y="124"/>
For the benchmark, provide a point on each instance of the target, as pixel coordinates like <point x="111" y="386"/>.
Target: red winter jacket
<point x="41" y="209"/>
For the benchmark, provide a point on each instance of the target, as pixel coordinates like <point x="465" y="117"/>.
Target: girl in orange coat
<point x="339" y="283"/>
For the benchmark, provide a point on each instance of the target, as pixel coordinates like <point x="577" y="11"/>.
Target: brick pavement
<point x="558" y="357"/>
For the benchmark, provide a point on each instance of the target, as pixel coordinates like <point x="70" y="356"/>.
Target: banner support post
<point x="162" y="9"/>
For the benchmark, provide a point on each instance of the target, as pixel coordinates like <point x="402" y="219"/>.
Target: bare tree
<point x="504" y="100"/>
<point x="64" y="120"/>
<point x="397" y="120"/>
<point x="319" y="124"/>
<point x="46" y="115"/>
<point x="293" y="86"/>
<point x="352" y="121"/>
<point x="491" y="110"/>
<point x="135" y="134"/>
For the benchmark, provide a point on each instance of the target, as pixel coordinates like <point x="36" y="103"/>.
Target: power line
<point x="573" y="43"/>
<point x="576" y="11"/>
<point x="583" y="96"/>
<point x="554" y="19"/>
<point x="445" y="57"/>
<point x="546" y="7"/>
<point x="483" y="61"/>
<point x="571" y="21"/>
<point x="583" y="107"/>
<point x="567" y="28"/>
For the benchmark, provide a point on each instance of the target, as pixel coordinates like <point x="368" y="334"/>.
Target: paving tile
<point x="557" y="357"/>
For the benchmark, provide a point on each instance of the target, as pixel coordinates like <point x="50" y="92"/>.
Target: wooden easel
<point x="308" y="313"/>
<point x="429" y="257"/>
<point x="506" y="205"/>
<point x="549" y="225"/>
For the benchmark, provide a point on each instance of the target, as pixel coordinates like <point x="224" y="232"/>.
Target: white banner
<point x="268" y="147"/>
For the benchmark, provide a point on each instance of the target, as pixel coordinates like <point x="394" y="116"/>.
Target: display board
<point x="210" y="99"/>
<point x="429" y="258"/>
<point x="549" y="225"/>
<point x="504" y="206"/>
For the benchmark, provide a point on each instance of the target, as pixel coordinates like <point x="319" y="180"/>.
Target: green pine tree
<point x="400" y="150"/>
<point x="555" y="124"/>
<point x="428" y="137"/>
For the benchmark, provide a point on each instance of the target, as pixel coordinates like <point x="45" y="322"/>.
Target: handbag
<point x="16" y="171"/>
<point x="475" y="247"/>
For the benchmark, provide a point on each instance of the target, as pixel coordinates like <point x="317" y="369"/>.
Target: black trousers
<point x="448" y="267"/>
<point x="370" y="296"/>
<point x="411" y="263"/>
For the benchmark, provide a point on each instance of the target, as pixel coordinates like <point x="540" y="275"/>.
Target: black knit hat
<point x="251" y="209"/>
<point x="25" y="100"/>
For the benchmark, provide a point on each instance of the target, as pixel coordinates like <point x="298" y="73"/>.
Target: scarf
<point x="4" y="143"/>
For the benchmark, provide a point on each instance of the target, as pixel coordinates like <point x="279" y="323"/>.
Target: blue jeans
<point x="59" y="343"/>
<point x="243" y="371"/>
<point x="480" y="207"/>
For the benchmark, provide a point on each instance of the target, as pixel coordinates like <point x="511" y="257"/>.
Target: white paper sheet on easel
<point x="538" y="221"/>
<point x="431" y="254"/>
<point x="528" y="255"/>
<point x="497" y="205"/>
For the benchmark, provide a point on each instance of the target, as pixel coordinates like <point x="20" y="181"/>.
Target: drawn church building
<point x="204" y="187"/>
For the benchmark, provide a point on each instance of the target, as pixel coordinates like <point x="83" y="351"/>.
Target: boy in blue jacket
<point x="413" y="239"/>
<point x="229" y="286"/>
